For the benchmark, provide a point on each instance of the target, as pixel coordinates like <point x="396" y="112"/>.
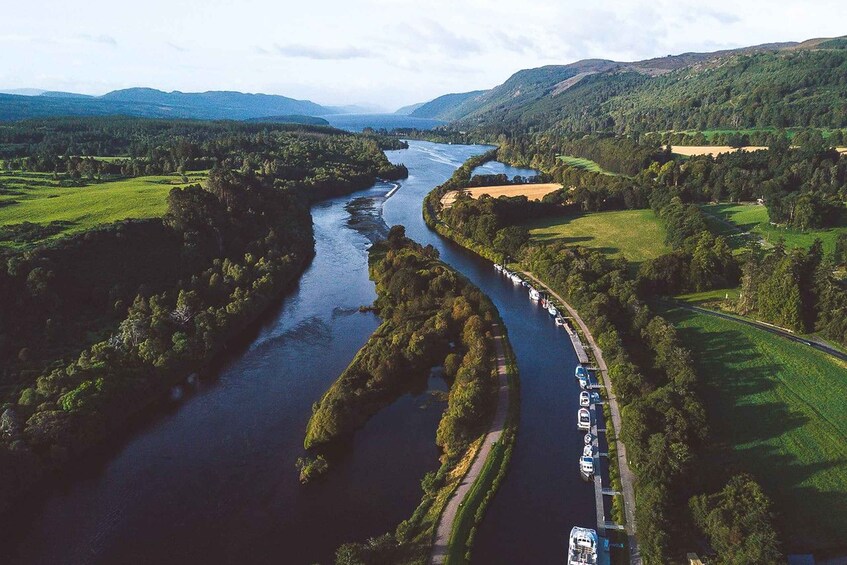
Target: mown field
<point x="39" y="199"/>
<point x="584" y="164"/>
<point x="531" y="191"/>
<point x="754" y="218"/>
<point x="776" y="409"/>
<point x="636" y="235"/>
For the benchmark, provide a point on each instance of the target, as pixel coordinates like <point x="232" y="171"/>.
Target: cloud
<point x="102" y="39"/>
<point x="433" y="35"/>
<point x="320" y="53"/>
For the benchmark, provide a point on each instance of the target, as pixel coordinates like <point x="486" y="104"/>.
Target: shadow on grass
<point x="811" y="508"/>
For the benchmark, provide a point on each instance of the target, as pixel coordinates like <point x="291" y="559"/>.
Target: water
<point x="212" y="478"/>
<point x="543" y="496"/>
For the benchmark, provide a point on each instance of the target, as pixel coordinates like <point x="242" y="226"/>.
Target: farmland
<point x="40" y="199"/>
<point x="531" y="191"/>
<point x="636" y="235"/>
<point x="775" y="409"/>
<point x="753" y="218"/>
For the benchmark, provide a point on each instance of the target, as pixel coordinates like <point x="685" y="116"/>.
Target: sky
<point x="379" y="53"/>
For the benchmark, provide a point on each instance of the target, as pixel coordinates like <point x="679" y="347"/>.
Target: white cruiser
<point x="583" y="419"/>
<point x="586" y="466"/>
<point x="534" y="294"/>
<point x="582" y="547"/>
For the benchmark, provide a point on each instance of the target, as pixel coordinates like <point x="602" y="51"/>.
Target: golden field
<point x="531" y="191"/>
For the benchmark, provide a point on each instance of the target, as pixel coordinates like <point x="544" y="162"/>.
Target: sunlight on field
<point x="36" y="198"/>
<point x="636" y="235"/>
<point x="531" y="191"/>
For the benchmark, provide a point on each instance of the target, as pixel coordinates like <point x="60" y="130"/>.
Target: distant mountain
<point x="407" y="110"/>
<point x="152" y="103"/>
<point x="448" y="107"/>
<point x="291" y="119"/>
<point x="803" y="82"/>
<point x="60" y="94"/>
<point x="23" y="91"/>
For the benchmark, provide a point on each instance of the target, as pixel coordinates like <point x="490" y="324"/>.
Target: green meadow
<point x="754" y="218"/>
<point x="584" y="164"/>
<point x="776" y="409"/>
<point x="636" y="235"/>
<point x="40" y="199"/>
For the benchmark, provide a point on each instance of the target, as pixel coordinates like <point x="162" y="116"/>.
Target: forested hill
<point x="773" y="85"/>
<point x="151" y="103"/>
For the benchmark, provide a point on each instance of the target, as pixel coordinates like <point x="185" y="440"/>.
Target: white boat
<point x="583" y="382"/>
<point x="515" y="278"/>
<point x="586" y="466"/>
<point x="582" y="546"/>
<point x="583" y="419"/>
<point x="588" y="450"/>
<point x="525" y="284"/>
<point x="585" y="398"/>
<point x="544" y="303"/>
<point x="588" y="437"/>
<point x="580" y="371"/>
<point x="560" y="321"/>
<point x="552" y="310"/>
<point x="498" y="268"/>
<point x="534" y="294"/>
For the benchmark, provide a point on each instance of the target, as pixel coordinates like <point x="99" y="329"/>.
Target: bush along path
<point x="448" y="520"/>
<point x="626" y="475"/>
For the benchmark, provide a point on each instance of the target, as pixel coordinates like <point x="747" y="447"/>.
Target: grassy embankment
<point x="472" y="511"/>
<point x="38" y="198"/>
<point x="753" y="218"/>
<point x="776" y="410"/>
<point x="636" y="235"/>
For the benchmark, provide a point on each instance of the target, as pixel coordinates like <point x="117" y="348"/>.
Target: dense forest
<point x="97" y="325"/>
<point x="425" y="306"/>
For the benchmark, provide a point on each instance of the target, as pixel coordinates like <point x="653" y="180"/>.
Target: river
<point x="211" y="477"/>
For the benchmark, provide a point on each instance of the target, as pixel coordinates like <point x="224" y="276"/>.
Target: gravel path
<point x="448" y="517"/>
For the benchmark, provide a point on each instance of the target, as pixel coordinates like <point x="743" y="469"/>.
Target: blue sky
<point x="385" y="53"/>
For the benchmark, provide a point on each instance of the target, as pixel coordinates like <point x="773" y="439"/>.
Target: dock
<point x="581" y="355"/>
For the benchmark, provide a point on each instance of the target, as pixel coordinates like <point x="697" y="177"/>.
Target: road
<point x="626" y="474"/>
<point x="448" y="517"/>
<point x="768" y="328"/>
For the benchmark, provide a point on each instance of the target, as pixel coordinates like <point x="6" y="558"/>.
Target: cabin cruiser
<point x="588" y="437"/>
<point x="586" y="466"/>
<point x="560" y="321"/>
<point x="534" y="294"/>
<point x="582" y="546"/>
<point x="525" y="284"/>
<point x="552" y="310"/>
<point x="583" y="419"/>
<point x="581" y="371"/>
<point x="515" y="278"/>
<point x="498" y="267"/>
<point x="583" y="382"/>
<point x="585" y="398"/>
<point x="588" y="450"/>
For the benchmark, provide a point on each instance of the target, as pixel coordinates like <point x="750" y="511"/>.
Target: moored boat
<point x="586" y="466"/>
<point x="534" y="294"/>
<point x="552" y="310"/>
<point x="582" y="546"/>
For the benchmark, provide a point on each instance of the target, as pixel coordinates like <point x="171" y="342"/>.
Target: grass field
<point x="531" y="191"/>
<point x="754" y="218"/>
<point x="636" y="235"/>
<point x="776" y="409"/>
<point x="37" y="198"/>
<point x="584" y="164"/>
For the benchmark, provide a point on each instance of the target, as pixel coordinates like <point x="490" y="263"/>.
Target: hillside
<point x="771" y="85"/>
<point x="152" y="103"/>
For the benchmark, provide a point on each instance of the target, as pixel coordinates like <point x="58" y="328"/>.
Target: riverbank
<point x="462" y="515"/>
